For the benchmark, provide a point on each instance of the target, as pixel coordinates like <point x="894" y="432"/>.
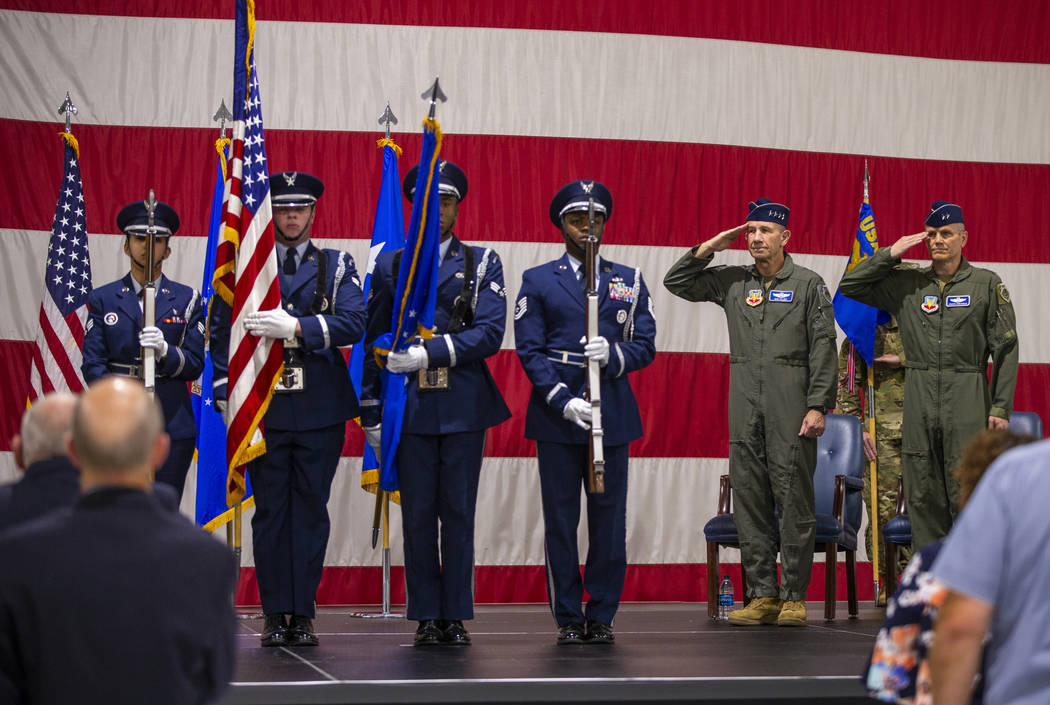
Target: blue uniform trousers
<point x="439" y="481"/>
<point x="173" y="471"/>
<point x="292" y="483"/>
<point x="563" y="472"/>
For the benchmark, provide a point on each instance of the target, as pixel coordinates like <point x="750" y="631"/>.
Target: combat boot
<point x="792" y="614"/>
<point x="761" y="610"/>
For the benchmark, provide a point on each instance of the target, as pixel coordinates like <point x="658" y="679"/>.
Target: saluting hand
<point x="906" y="243"/>
<point x="812" y="424"/>
<point x="721" y="241"/>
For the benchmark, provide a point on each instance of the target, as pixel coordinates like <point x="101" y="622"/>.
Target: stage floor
<point x="667" y="652"/>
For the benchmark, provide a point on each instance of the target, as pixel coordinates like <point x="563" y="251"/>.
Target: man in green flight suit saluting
<point x="782" y="380"/>
<point x="953" y="317"/>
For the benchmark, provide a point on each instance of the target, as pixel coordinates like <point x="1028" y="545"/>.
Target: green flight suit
<point x="948" y="337"/>
<point x="782" y="362"/>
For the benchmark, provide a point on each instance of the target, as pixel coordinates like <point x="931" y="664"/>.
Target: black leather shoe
<point x="301" y="631"/>
<point x="428" y="633"/>
<point x="275" y="631"/>
<point x="456" y="634"/>
<point x="571" y="633"/>
<point x="598" y="633"/>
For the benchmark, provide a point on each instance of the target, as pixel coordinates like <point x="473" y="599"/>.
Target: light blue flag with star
<point x="414" y="297"/>
<point x="388" y="233"/>
<point x="211" y="510"/>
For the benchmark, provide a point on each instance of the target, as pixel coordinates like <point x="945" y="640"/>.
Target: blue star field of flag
<point x="255" y="179"/>
<point x="68" y="269"/>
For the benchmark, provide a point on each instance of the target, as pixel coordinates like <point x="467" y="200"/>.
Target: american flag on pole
<point x="255" y="363"/>
<point x="63" y="310"/>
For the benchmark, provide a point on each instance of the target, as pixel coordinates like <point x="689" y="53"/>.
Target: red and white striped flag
<point x="255" y="362"/>
<point x="67" y="283"/>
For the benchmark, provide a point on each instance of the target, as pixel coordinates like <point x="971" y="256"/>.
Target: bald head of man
<point x="118" y="434"/>
<point x="45" y="428"/>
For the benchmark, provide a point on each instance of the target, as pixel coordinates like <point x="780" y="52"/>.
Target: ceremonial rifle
<point x="596" y="454"/>
<point x="149" y="297"/>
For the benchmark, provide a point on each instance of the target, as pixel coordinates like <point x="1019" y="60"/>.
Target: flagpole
<point x="873" y="475"/>
<point x="381" y="515"/>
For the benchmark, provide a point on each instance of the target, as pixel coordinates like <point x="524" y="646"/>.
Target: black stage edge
<point x="664" y="653"/>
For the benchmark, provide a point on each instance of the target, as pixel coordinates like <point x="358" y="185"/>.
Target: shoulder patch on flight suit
<point x="521" y="307"/>
<point x="824" y="293"/>
<point x="1002" y="293"/>
<point x="754" y="297"/>
<point x="930" y="303"/>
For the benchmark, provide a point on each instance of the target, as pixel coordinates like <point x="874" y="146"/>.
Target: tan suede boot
<point x="761" y="610"/>
<point x="792" y="614"/>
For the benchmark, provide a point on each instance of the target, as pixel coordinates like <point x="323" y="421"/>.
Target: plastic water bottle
<point x="725" y="599"/>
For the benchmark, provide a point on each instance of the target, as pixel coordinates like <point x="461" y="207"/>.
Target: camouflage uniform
<point x="889" y="411"/>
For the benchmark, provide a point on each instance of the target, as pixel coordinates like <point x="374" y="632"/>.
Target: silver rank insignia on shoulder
<point x="521" y="307"/>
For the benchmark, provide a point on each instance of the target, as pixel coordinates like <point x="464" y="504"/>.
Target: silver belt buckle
<point x="435" y="380"/>
<point x="293" y="380"/>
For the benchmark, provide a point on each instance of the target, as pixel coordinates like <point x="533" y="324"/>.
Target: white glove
<point x="277" y="324"/>
<point x="151" y="337"/>
<point x="579" y="412"/>
<point x="415" y="358"/>
<point x="220" y="406"/>
<point x="374" y="436"/>
<point x="597" y="348"/>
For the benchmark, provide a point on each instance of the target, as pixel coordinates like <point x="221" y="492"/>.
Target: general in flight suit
<point x="783" y="373"/>
<point x="114" y="336"/>
<point x="446" y="417"/>
<point x="550" y="325"/>
<point x="951" y="324"/>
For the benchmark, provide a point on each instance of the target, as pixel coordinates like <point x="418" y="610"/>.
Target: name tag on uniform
<point x="930" y="304"/>
<point x="754" y="297"/>
<point x="957" y="301"/>
<point x="782" y="296"/>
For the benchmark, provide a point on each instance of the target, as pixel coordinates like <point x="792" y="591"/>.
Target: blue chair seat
<point x="898" y="530"/>
<point x="722" y="529"/>
<point x="829" y="530"/>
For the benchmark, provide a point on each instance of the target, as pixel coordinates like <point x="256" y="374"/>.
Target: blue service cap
<point x="133" y="219"/>
<point x="452" y="180"/>
<point x="943" y="213"/>
<point x="765" y="210"/>
<point x="576" y="196"/>
<point x="289" y="189"/>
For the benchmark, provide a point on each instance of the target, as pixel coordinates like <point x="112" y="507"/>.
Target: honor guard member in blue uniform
<point x="452" y="402"/>
<point x="114" y="336"/>
<point x="322" y="308"/>
<point x="783" y="374"/>
<point x="550" y="323"/>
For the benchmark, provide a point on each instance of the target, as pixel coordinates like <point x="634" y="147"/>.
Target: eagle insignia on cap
<point x="289" y="177"/>
<point x="441" y="167"/>
<point x="586" y="186"/>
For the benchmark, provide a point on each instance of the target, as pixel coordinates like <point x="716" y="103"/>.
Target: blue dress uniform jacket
<point x="473" y="402"/>
<point x="550" y="318"/>
<point x="304" y="430"/>
<point x="329" y="396"/>
<point x="111" y="344"/>
<point x="115" y="599"/>
<point x="443" y="437"/>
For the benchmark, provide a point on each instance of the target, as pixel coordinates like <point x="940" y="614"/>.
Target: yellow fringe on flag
<point x="220" y="146"/>
<point x="71" y="141"/>
<point x="251" y="42"/>
<point x="384" y="142"/>
<point x="227" y="516"/>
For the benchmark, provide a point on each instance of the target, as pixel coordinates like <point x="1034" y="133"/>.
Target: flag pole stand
<point x="385" y="613"/>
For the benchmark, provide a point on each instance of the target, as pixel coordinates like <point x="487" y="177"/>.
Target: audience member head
<point x="118" y="434"/>
<point x="44" y="428"/>
<point x="985" y="447"/>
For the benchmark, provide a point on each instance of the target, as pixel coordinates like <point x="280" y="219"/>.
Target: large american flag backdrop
<point x="686" y="110"/>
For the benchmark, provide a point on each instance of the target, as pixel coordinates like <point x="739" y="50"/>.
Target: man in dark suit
<point x="550" y="332"/>
<point x="114" y="336"/>
<point x="50" y="481"/>
<point x="322" y="308"/>
<point x="116" y="599"/>
<point x="452" y="402"/>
